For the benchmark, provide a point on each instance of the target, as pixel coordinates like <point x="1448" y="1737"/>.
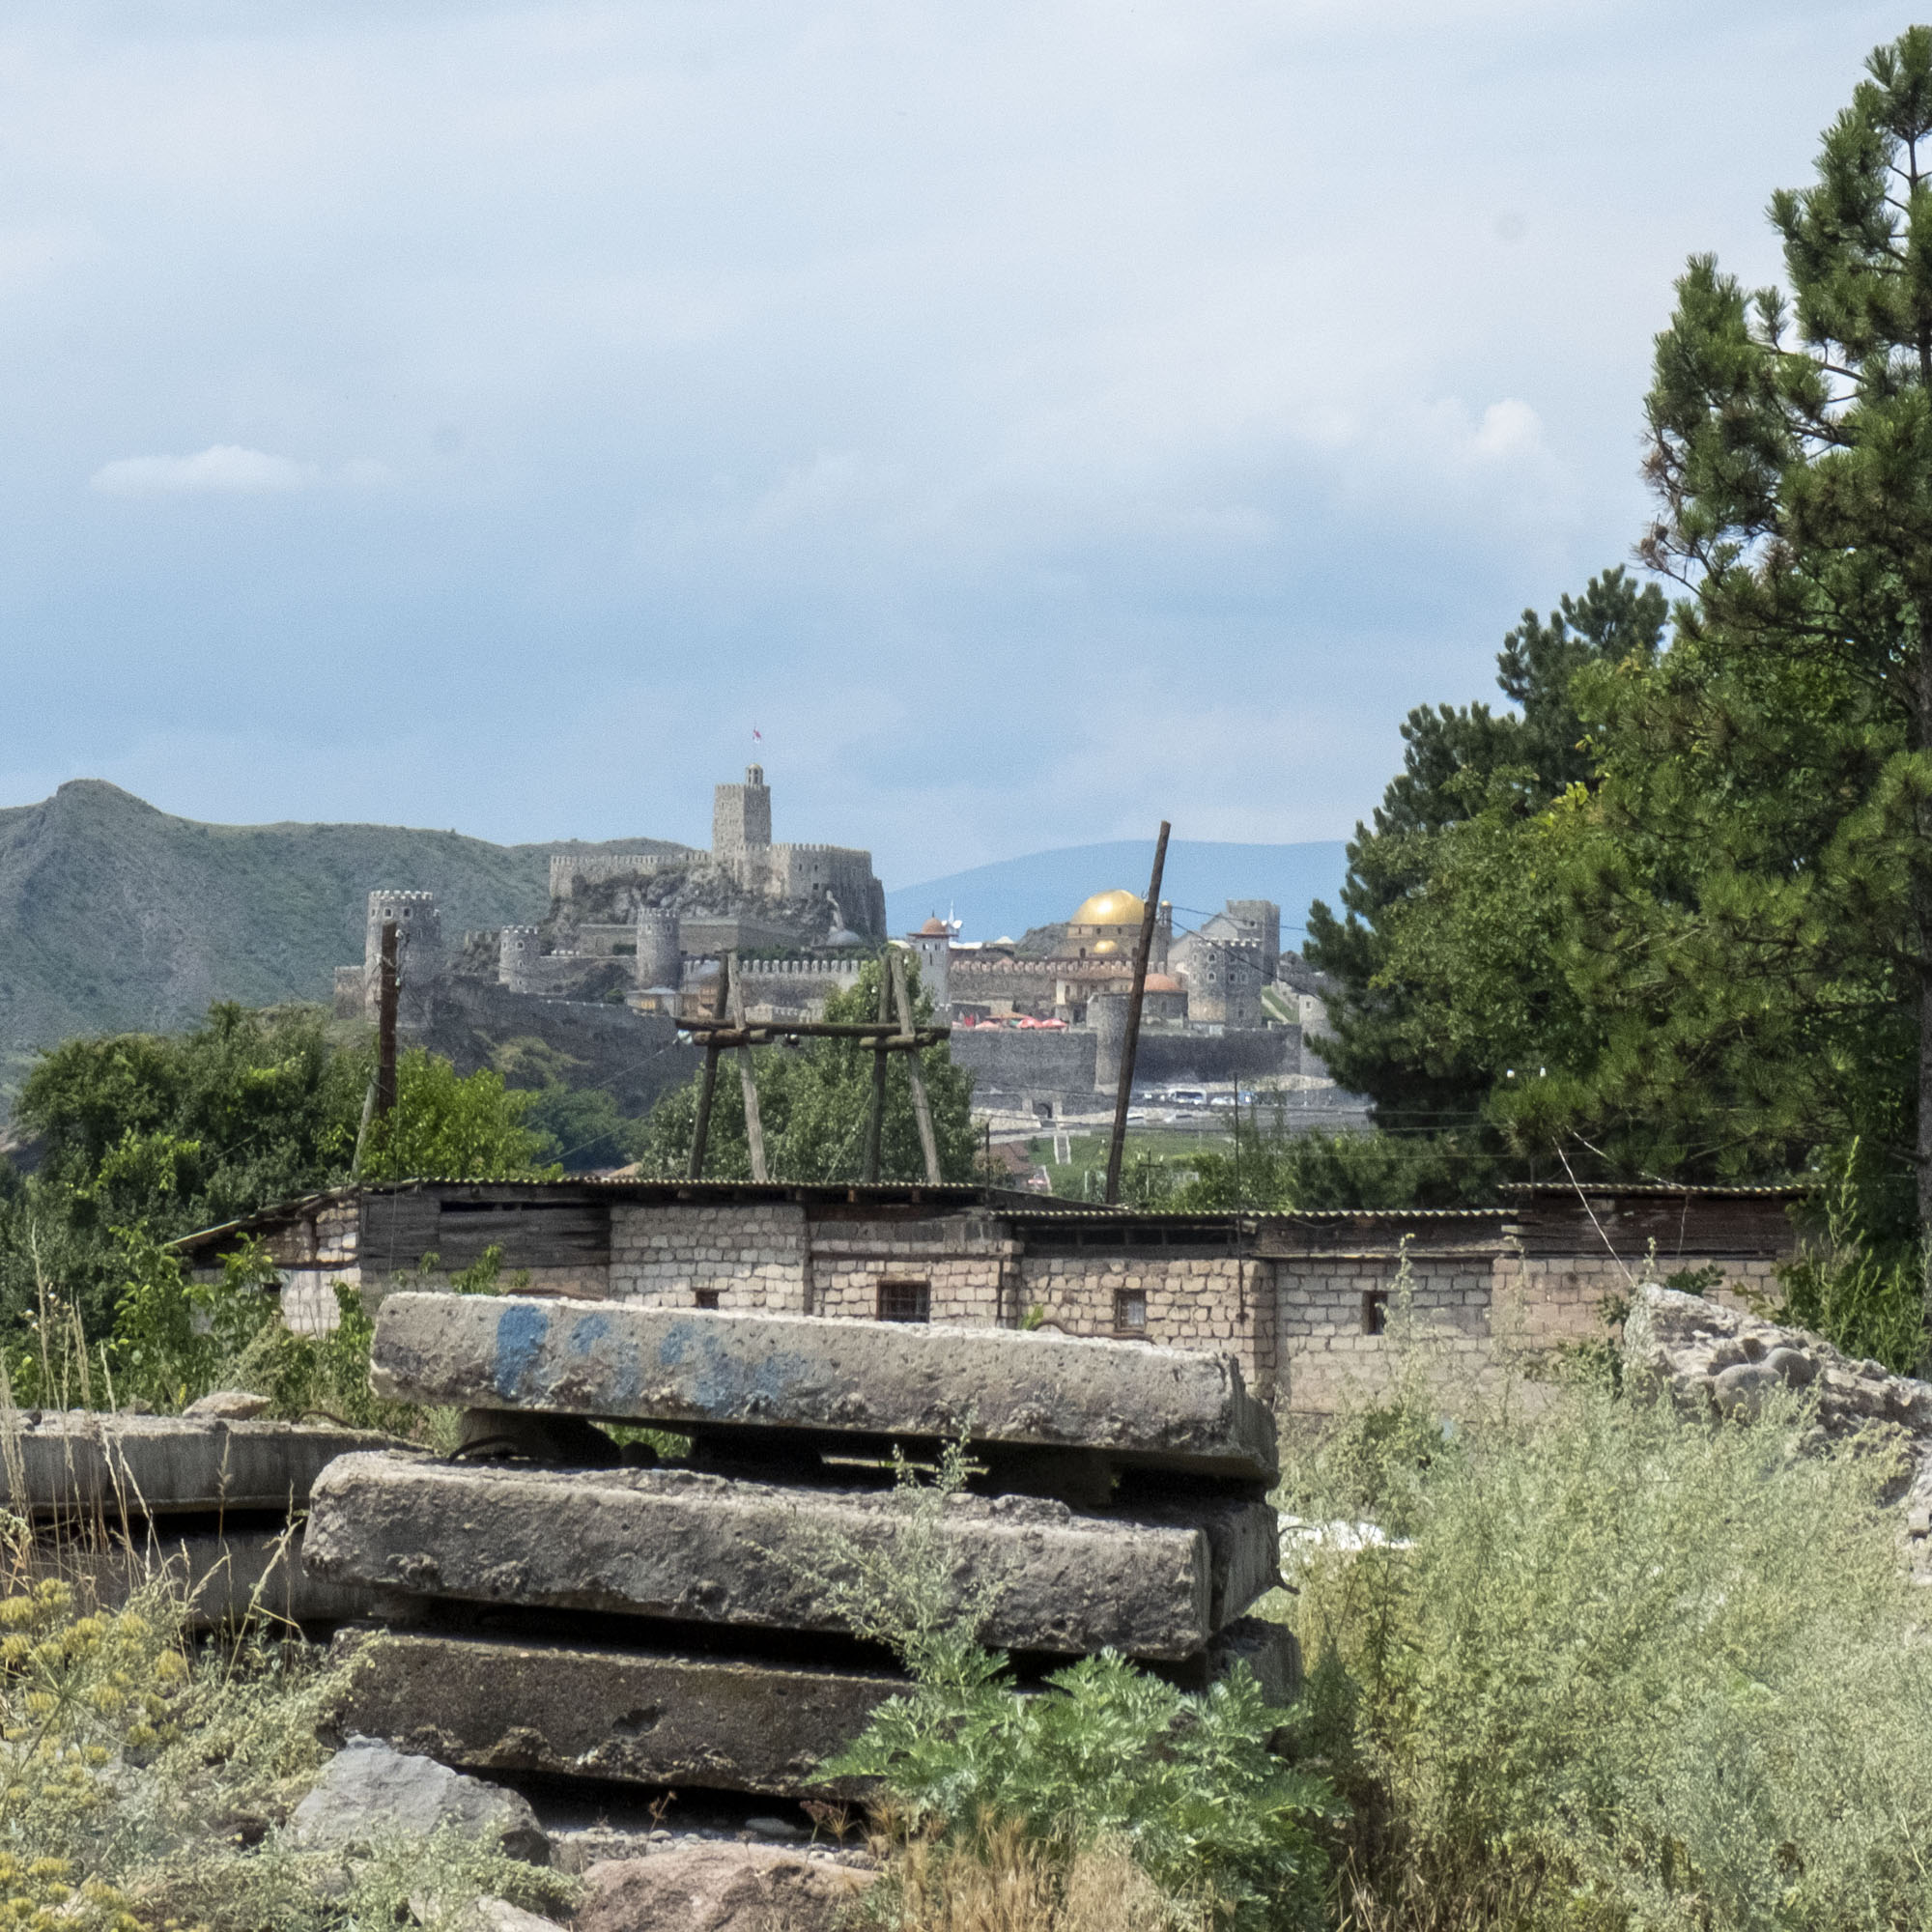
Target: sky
<point x="1033" y="419"/>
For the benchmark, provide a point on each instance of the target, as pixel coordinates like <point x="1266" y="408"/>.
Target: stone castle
<point x="1042" y="1034"/>
<point x="647" y="929"/>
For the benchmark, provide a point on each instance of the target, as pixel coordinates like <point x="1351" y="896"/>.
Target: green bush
<point x="1102" y="1757"/>
<point x="1621" y="1670"/>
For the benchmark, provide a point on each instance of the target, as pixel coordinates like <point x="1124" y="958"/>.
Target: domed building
<point x="1108" y="927"/>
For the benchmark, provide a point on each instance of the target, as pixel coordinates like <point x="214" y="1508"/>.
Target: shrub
<point x="979" y="1779"/>
<point x="1628" y="1671"/>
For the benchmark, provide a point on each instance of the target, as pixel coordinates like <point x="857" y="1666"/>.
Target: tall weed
<point x="1621" y="1670"/>
<point x="989" y="1794"/>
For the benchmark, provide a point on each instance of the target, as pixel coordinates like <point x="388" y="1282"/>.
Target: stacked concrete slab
<point x="117" y="1500"/>
<point x="672" y="1624"/>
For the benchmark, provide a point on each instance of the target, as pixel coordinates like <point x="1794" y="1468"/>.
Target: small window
<point x="705" y="1298"/>
<point x="1376" y="1312"/>
<point x="905" y="1301"/>
<point x="1130" y="1311"/>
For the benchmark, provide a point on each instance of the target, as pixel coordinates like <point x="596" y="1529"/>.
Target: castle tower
<point x="1163" y="936"/>
<point x="517" y="949"/>
<point x="1260" y="919"/>
<point x="1224" y="981"/>
<point x="740" y="828"/>
<point x="933" y="947"/>
<point x="420" y="963"/>
<point x="659" y="954"/>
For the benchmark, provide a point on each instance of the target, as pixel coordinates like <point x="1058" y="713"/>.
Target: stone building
<point x="1304" y="1302"/>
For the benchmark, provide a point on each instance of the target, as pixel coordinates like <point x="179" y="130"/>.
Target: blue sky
<point x="1035" y="416"/>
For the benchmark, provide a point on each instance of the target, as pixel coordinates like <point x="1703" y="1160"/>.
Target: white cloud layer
<point x="1039" y="416"/>
<point x="223" y="469"/>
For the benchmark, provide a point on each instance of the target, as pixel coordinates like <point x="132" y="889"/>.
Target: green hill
<point x="117" y="917"/>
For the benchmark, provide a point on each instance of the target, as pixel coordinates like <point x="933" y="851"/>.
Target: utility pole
<point x="754" y="1129"/>
<point x="700" y="1131"/>
<point x="1130" y="1045"/>
<point x="922" y="1112"/>
<point x="875" y="1121"/>
<point x="380" y="1097"/>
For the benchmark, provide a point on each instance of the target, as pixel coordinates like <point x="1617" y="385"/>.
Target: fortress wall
<point x="1003" y="1061"/>
<point x="800" y="871"/>
<point x="1247" y="1053"/>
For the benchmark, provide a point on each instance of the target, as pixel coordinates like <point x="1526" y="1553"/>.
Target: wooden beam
<point x="1130" y="1044"/>
<point x="921" y="1113"/>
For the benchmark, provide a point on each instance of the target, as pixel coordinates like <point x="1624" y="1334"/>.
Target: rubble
<point x="720" y="1888"/>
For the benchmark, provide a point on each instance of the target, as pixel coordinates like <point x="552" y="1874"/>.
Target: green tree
<point x="455" y="1127"/>
<point x="813" y="1102"/>
<point x="1442" y="966"/>
<point x="1751" y="893"/>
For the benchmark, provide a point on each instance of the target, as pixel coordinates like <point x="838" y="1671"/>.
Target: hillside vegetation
<point x="115" y="916"/>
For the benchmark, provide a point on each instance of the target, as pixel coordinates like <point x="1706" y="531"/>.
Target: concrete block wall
<point x="1224" y="1302"/>
<point x="968" y="1270"/>
<point x="750" y="1257"/>
<point x="1546" y="1301"/>
<point x="1328" y="1358"/>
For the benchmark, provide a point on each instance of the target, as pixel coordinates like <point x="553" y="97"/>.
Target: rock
<point x="1156" y="1580"/>
<point x="369" y="1789"/>
<point x="713" y="1887"/>
<point x="226" y="1406"/>
<point x="498" y="1914"/>
<point x="488" y="1704"/>
<point x="1706" y="1357"/>
<point x="860" y="1383"/>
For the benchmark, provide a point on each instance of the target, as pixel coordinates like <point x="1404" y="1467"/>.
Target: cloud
<point x="223" y="468"/>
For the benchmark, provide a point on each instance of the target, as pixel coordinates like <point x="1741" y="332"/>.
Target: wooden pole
<point x="875" y="1121"/>
<point x="921" y="1113"/>
<point x="379" y="1099"/>
<point x="700" y="1131"/>
<point x="1130" y="1044"/>
<point x="754" y="1131"/>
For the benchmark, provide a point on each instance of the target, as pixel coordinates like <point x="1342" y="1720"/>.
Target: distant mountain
<point x="115" y="916"/>
<point x="1014" y="894"/>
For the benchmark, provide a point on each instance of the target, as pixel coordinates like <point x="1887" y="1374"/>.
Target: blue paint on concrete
<point x="520" y="1337"/>
<point x="716" y="1382"/>
<point x="585" y="1330"/>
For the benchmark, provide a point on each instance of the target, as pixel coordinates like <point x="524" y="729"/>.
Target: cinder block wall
<point x="752" y="1257"/>
<point x="1328" y="1353"/>
<point x="1223" y="1302"/>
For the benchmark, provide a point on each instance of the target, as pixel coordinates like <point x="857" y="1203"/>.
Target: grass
<point x="1089" y="1156"/>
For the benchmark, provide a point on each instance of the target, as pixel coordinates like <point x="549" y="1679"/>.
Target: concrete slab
<point x="54" y="1460"/>
<point x="679" y="1545"/>
<point x="224" y="1578"/>
<point x="690" y="1370"/>
<point x="720" y="1723"/>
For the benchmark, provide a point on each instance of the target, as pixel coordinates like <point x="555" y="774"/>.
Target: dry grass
<point x="1005" y="1881"/>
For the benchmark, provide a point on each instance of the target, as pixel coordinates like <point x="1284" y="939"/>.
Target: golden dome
<point x="1116" y="908"/>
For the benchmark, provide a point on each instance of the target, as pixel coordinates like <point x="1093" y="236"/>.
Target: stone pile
<point x="1713" y="1360"/>
<point x="210" y="1498"/>
<point x="568" y="1609"/>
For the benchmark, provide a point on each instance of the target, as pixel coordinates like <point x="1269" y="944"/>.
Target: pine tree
<point x="1791" y="450"/>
